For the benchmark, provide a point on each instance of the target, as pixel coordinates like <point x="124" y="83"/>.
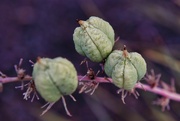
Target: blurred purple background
<point x="32" y="28"/>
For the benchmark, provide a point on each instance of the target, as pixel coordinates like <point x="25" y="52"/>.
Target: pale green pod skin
<point x="103" y="26"/>
<point x="50" y="93"/>
<point x="54" y="78"/>
<point x="64" y="76"/>
<point x="139" y="63"/>
<point x="125" y="71"/>
<point x="94" y="39"/>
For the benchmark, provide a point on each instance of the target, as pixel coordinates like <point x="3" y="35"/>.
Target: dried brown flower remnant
<point x="164" y="101"/>
<point x="30" y="88"/>
<point x="152" y="79"/>
<point x="20" y="72"/>
<point x="127" y="92"/>
<point x="92" y="85"/>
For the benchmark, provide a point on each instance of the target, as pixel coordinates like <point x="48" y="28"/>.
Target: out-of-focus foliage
<point x="31" y="28"/>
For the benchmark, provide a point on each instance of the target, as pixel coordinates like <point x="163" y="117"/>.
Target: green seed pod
<point x="125" y="68"/>
<point x="94" y="38"/>
<point x="54" y="78"/>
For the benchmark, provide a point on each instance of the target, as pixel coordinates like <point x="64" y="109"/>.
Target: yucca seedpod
<point x="94" y="38"/>
<point x="54" y="78"/>
<point x="125" y="69"/>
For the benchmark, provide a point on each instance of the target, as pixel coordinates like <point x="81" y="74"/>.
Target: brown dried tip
<point x="164" y="101"/>
<point x="38" y="59"/>
<point x="80" y="22"/>
<point x="152" y="79"/>
<point x="125" y="52"/>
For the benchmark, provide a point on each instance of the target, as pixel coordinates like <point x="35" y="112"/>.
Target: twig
<point x="14" y="79"/>
<point x="156" y="90"/>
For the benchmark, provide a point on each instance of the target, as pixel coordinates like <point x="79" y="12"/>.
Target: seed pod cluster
<point x="94" y="38"/>
<point x="54" y="78"/>
<point x="125" y="68"/>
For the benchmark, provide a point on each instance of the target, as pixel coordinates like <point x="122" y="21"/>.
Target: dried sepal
<point x="152" y="79"/>
<point x="90" y="86"/>
<point x="127" y="92"/>
<point x="20" y="72"/>
<point x="164" y="101"/>
<point x="31" y="89"/>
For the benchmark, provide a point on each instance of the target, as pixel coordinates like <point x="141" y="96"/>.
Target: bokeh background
<point x="32" y="28"/>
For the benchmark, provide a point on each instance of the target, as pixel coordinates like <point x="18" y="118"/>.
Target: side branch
<point x="156" y="90"/>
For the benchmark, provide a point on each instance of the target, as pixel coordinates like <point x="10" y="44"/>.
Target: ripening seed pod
<point x="125" y="69"/>
<point x="54" y="78"/>
<point x="94" y="38"/>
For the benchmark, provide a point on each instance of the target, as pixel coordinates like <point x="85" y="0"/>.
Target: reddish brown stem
<point x="156" y="90"/>
<point x="14" y="79"/>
